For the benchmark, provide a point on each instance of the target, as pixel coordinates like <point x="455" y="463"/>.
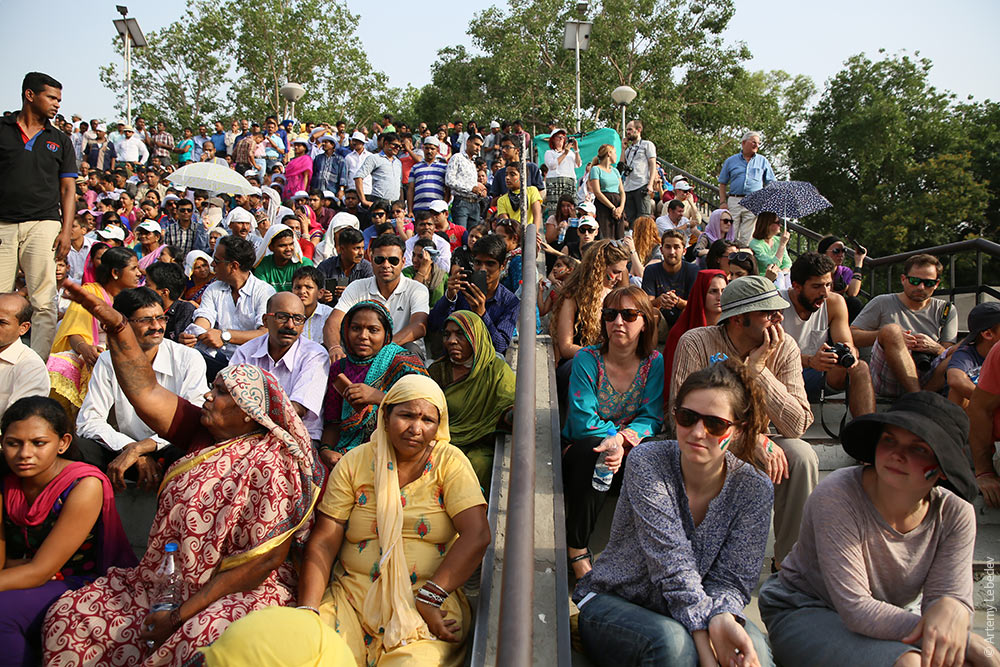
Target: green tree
<point x="180" y="76"/>
<point x="892" y="154"/>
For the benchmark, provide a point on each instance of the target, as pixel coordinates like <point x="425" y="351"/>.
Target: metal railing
<point x="707" y="192"/>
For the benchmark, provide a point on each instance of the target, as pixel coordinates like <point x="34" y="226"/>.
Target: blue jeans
<point x="617" y="633"/>
<point x="465" y="213"/>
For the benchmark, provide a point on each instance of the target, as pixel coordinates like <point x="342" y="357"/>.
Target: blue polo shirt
<point x="743" y="177"/>
<point x="219" y="140"/>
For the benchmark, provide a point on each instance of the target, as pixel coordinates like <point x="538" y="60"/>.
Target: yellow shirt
<point x="504" y="207"/>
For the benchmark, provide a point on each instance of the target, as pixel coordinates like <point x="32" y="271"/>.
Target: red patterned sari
<point x="224" y="504"/>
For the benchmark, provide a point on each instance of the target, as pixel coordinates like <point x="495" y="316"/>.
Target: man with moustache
<point x="130" y="443"/>
<point x="817" y="318"/>
<point x="300" y="365"/>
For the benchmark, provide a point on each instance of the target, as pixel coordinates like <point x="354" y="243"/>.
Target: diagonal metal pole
<point x="514" y="643"/>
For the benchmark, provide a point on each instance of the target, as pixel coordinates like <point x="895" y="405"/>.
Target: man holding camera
<point x="909" y="332"/>
<point x="816" y="319"/>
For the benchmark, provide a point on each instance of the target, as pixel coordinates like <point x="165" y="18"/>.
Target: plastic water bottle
<point x="562" y="235"/>
<point x="602" y="474"/>
<point x="168" y="581"/>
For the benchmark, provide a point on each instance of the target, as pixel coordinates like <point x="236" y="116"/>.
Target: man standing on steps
<point x="640" y="180"/>
<point x="742" y="174"/>
<point x="818" y="316"/>
<point x="37" y="191"/>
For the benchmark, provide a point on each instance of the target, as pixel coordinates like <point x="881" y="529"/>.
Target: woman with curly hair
<point x="645" y="244"/>
<point x="577" y="320"/>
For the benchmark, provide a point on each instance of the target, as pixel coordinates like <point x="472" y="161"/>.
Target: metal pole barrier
<point x="577" y="79"/>
<point x="518" y="583"/>
<point x="128" y="78"/>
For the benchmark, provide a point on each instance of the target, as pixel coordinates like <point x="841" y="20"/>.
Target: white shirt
<point x="663" y="223"/>
<point x="443" y="260"/>
<point x="408" y="299"/>
<point x="131" y="150"/>
<point x="566" y="168"/>
<point x="177" y="367"/>
<point x="244" y="315"/>
<point x="77" y="259"/>
<point x="302" y="372"/>
<point x="22" y="373"/>
<point x="313" y="328"/>
<point x="354" y="160"/>
<point x="637" y="156"/>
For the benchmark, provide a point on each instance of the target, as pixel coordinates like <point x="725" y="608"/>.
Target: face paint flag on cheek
<point x="930" y="472"/>
<point x="724" y="441"/>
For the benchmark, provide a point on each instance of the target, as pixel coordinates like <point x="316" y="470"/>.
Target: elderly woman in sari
<point x="479" y="388"/>
<point x="198" y="269"/>
<point x="235" y="503"/>
<point x="358" y="381"/>
<point x="404" y="520"/>
<point x="327" y="248"/>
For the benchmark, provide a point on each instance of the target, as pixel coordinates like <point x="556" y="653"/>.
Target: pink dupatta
<point x="295" y="174"/>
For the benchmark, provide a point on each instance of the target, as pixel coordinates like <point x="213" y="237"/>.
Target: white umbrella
<point x="211" y="177"/>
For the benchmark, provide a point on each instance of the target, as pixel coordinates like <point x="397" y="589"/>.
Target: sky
<point x="809" y="38"/>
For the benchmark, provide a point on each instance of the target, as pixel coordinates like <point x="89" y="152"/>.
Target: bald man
<point x="300" y="365"/>
<point x="22" y="371"/>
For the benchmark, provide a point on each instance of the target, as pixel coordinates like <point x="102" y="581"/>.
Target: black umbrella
<point x="789" y="199"/>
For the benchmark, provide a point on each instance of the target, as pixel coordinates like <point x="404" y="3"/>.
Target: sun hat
<point x="943" y="425"/>
<point x="983" y="316"/>
<point x="358" y="136"/>
<point x="750" y="294"/>
<point x="151" y="226"/>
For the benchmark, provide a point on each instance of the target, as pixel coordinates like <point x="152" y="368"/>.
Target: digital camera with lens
<point x="845" y="357"/>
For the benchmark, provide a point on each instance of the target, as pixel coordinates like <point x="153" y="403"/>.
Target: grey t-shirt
<point x="637" y="156"/>
<point x="938" y="319"/>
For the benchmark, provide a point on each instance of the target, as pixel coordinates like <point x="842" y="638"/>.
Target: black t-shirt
<point x="30" y="172"/>
<point x="656" y="281"/>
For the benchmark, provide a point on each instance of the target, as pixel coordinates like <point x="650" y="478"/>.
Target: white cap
<point x="432" y="140"/>
<point x="170" y="197"/>
<point x="151" y="226"/>
<point x="328" y="137"/>
<point x="257" y="191"/>
<point x="438" y="206"/>
<point x="328" y="195"/>
<point x="358" y="136"/>
<point x="682" y="185"/>
<point x="678" y="177"/>
<point x="300" y="140"/>
<point x="588" y="221"/>
<point x="240" y="214"/>
<point x="251" y="172"/>
<point x="101" y="127"/>
<point x="301" y="194"/>
<point x="112" y="233"/>
<point x="589" y="207"/>
<point x="494" y="125"/>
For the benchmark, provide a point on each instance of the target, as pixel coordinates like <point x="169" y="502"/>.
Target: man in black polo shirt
<point x="37" y="189"/>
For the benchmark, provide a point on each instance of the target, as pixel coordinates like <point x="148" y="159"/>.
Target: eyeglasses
<point x="628" y="314"/>
<point x="741" y="256"/>
<point x="716" y="426"/>
<point x="282" y="318"/>
<point x="926" y="282"/>
<point x="146" y="321"/>
<point x="382" y="259"/>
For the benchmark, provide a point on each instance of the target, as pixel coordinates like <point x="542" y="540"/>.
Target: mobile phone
<point x="341" y="383"/>
<point x="479" y="280"/>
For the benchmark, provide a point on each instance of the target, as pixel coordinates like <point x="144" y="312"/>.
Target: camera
<point x="923" y="361"/>
<point x="845" y="357"/>
<point x="624" y="169"/>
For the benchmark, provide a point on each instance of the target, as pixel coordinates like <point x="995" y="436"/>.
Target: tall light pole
<point x="623" y="95"/>
<point x="132" y="36"/>
<point x="577" y="38"/>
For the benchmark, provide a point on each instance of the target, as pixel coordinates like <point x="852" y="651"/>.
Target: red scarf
<point x="692" y="317"/>
<point x="115" y="549"/>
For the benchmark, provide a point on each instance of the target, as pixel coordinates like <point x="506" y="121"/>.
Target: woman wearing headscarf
<point x="298" y="171"/>
<point x="479" y="388"/>
<point x="236" y="503"/>
<point x="720" y="226"/>
<point x="272" y="203"/>
<point x="328" y="246"/>
<point x="373" y="363"/>
<point x="404" y="519"/>
<point x="198" y="269"/>
<point x="703" y="309"/>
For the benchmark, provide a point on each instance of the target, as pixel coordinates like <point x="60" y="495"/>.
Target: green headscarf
<point x="477" y="401"/>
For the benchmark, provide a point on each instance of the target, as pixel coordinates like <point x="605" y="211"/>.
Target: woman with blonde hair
<point x="645" y="244"/>
<point x="609" y="193"/>
<point x="577" y="320"/>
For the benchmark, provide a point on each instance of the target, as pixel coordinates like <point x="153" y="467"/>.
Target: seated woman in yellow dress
<point x="405" y="521"/>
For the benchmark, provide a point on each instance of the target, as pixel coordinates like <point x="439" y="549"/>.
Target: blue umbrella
<point x="789" y="199"/>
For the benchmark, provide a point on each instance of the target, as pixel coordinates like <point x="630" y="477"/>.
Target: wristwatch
<point x="227" y="337"/>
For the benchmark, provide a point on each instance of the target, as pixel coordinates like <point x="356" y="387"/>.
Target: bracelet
<point x="427" y="597"/>
<point x="117" y="329"/>
<point x="310" y="608"/>
<point x="984" y="474"/>
<point x="437" y="588"/>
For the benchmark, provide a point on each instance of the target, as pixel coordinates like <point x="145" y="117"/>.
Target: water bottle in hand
<point x="168" y="583"/>
<point x="602" y="474"/>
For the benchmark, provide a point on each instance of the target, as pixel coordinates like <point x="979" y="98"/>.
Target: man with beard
<point x="668" y="283"/>
<point x="909" y="332"/>
<point x="130" y="443"/>
<point x="750" y="331"/>
<point x="300" y="365"/>
<point x="816" y="318"/>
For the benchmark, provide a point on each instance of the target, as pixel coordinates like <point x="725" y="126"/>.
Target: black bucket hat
<point x="934" y="419"/>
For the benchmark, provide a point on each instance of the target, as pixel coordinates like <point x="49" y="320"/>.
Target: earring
<point x="246" y="419"/>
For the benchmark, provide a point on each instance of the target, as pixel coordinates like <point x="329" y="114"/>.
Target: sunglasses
<point x="724" y="219"/>
<point x="628" y="314"/>
<point x="837" y="251"/>
<point x="741" y="256"/>
<point x="926" y="282"/>
<point x="716" y="426"/>
<point x="382" y="259"/>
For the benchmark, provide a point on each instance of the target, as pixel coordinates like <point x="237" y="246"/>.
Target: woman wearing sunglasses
<point x="688" y="537"/>
<point x="846" y="282"/>
<point x="615" y="400"/>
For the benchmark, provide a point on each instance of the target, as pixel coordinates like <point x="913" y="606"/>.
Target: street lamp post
<point x="577" y="38"/>
<point x="623" y="96"/>
<point x="292" y="92"/>
<point x="132" y="36"/>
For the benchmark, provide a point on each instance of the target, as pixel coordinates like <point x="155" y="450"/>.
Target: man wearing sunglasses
<point x="385" y="169"/>
<point x="404" y="298"/>
<point x="909" y="332"/>
<point x="300" y="365"/>
<point x="749" y="330"/>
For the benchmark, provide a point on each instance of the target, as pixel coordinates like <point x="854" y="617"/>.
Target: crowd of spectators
<point x="311" y="376"/>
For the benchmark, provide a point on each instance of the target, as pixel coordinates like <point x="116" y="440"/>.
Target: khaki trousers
<point x="790" y="496"/>
<point x="744" y="221"/>
<point x="28" y="246"/>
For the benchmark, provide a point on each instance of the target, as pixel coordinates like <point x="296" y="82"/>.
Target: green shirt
<point x="437" y="292"/>
<point x="279" y="278"/>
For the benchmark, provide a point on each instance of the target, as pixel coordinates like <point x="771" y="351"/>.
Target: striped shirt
<point x="428" y="183"/>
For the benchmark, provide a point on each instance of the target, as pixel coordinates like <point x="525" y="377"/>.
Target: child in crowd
<point x="968" y="359"/>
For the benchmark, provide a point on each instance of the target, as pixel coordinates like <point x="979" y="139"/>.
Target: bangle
<point x="117" y="328"/>
<point x="984" y="474"/>
<point x="310" y="608"/>
<point x="437" y="588"/>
